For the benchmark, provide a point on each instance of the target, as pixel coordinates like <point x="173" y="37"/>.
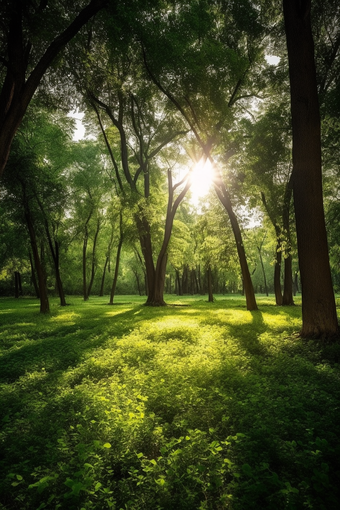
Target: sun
<point x="201" y="179"/>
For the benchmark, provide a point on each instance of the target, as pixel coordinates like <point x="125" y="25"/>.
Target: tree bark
<point x="85" y="241"/>
<point x="115" y="276"/>
<point x="33" y="276"/>
<point x="55" y="256"/>
<point x="224" y="198"/>
<point x="278" y="254"/>
<point x="263" y="271"/>
<point x="156" y="293"/>
<point x="319" y="318"/>
<point x="119" y="249"/>
<point x="44" y="302"/>
<point x="287" y="299"/>
<point x="93" y="258"/>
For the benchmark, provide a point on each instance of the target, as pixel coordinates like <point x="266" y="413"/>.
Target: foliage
<point x="188" y="407"/>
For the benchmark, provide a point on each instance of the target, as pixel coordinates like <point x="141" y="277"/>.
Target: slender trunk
<point x="224" y="198"/>
<point x="156" y="295"/>
<point x="138" y="282"/>
<point x="179" y="284"/>
<point x="277" y="275"/>
<point x="33" y="276"/>
<point x="115" y="277"/>
<point x="44" y="303"/>
<point x="17" y="284"/>
<point x="85" y="242"/>
<point x="259" y="248"/>
<point x="101" y="292"/>
<point x="102" y="286"/>
<point x="288" y="283"/>
<point x="93" y="258"/>
<point x="288" y="279"/>
<point x="319" y="318"/>
<point x="55" y="257"/>
<point x="296" y="282"/>
<point x="210" y="292"/>
<point x="278" y="257"/>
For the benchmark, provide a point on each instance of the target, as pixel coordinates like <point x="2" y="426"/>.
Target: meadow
<point x="189" y="407"/>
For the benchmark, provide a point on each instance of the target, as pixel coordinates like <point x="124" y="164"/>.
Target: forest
<point x="169" y="254"/>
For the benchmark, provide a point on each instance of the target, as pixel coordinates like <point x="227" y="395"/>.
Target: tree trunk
<point x="319" y="319"/>
<point x="33" y="276"/>
<point x="224" y="198"/>
<point x="210" y="292"/>
<point x="120" y="244"/>
<point x="115" y="276"/>
<point x="93" y="259"/>
<point x="17" y="284"/>
<point x="262" y="267"/>
<point x="277" y="275"/>
<point x="287" y="299"/>
<point x="44" y="303"/>
<point x="146" y="246"/>
<point x="178" y="284"/>
<point x="288" y="283"/>
<point x="107" y="260"/>
<point x="85" y="241"/>
<point x="278" y="257"/>
<point x="101" y="291"/>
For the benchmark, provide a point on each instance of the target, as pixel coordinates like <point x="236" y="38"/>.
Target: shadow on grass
<point x="278" y="394"/>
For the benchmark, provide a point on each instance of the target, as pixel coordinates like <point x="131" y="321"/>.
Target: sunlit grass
<point x="203" y="406"/>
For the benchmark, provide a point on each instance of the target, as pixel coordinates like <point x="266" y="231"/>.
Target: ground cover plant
<point x="200" y="406"/>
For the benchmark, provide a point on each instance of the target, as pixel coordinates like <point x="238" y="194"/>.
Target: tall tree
<point x="206" y="75"/>
<point x="318" y="303"/>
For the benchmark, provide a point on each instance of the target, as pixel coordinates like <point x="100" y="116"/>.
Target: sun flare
<point x="201" y="179"/>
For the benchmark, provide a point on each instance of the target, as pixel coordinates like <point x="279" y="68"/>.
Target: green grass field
<point x="200" y="406"/>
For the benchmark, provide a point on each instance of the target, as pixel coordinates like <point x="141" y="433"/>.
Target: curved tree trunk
<point x="156" y="296"/>
<point x="224" y="198"/>
<point x="101" y="291"/>
<point x="319" y="318"/>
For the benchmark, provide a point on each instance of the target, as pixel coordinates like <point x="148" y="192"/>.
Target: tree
<point x="204" y="76"/>
<point x="318" y="303"/>
<point x="28" y="28"/>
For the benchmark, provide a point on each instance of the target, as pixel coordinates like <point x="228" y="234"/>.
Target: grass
<point x="203" y="406"/>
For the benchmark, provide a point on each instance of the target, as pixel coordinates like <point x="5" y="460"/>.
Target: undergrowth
<point x="205" y="406"/>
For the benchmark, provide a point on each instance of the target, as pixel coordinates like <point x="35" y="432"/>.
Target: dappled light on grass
<point x="115" y="311"/>
<point x="66" y="317"/>
<point x="205" y="406"/>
